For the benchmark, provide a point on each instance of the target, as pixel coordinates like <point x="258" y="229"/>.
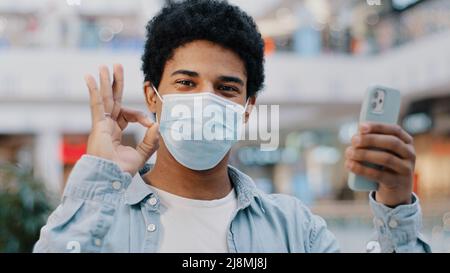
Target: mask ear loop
<point x="245" y="107"/>
<point x="243" y="113"/>
<point x="246" y="104"/>
<point x="157" y="93"/>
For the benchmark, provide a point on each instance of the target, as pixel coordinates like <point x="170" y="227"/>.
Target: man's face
<point x="201" y="66"/>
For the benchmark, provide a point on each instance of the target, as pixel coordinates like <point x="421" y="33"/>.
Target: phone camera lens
<point x="375" y="95"/>
<point x="374" y="105"/>
<point x="380" y="101"/>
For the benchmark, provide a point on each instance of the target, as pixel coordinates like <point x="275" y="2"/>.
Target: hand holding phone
<point x="382" y="156"/>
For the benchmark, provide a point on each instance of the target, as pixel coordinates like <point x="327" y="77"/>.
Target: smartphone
<point x="381" y="104"/>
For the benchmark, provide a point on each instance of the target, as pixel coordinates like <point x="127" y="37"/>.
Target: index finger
<point x="130" y="115"/>
<point x="386" y="129"/>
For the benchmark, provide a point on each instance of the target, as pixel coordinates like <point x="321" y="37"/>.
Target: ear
<point x="251" y="104"/>
<point x="150" y="96"/>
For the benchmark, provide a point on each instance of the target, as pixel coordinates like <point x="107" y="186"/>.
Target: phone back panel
<point x="369" y="113"/>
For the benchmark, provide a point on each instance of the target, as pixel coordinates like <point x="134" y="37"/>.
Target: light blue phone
<point x="381" y="104"/>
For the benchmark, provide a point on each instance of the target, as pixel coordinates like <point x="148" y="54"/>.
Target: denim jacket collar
<point x="245" y="188"/>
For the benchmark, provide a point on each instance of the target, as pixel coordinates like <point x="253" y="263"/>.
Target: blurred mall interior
<point x="321" y="56"/>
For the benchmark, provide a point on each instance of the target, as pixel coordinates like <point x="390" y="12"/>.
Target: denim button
<point x="98" y="242"/>
<point x="379" y="222"/>
<point x="373" y="247"/>
<point x="151" y="227"/>
<point x="393" y="223"/>
<point x="152" y="201"/>
<point x="116" y="185"/>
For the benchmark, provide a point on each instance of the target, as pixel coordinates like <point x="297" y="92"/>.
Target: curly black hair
<point x="216" y="21"/>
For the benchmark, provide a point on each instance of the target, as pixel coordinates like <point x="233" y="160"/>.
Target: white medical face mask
<point x="199" y="129"/>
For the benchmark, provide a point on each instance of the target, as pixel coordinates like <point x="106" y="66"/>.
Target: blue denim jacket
<point x="106" y="210"/>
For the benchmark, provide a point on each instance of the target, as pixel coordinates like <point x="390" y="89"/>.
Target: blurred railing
<point x="57" y="75"/>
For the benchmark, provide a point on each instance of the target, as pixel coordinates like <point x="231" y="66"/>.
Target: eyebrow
<point x="186" y="72"/>
<point x="221" y="78"/>
<point x="231" y="79"/>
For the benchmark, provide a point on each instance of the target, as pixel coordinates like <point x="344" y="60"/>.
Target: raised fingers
<point x="106" y="89"/>
<point x="95" y="100"/>
<point x="117" y="90"/>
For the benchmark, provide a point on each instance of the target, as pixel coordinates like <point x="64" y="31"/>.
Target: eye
<point x="186" y="83"/>
<point x="228" y="88"/>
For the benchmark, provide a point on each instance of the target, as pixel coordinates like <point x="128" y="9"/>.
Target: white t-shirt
<point x="190" y="225"/>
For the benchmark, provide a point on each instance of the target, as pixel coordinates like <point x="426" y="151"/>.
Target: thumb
<point x="150" y="143"/>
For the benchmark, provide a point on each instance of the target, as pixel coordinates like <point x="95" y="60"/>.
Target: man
<point x="191" y="200"/>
